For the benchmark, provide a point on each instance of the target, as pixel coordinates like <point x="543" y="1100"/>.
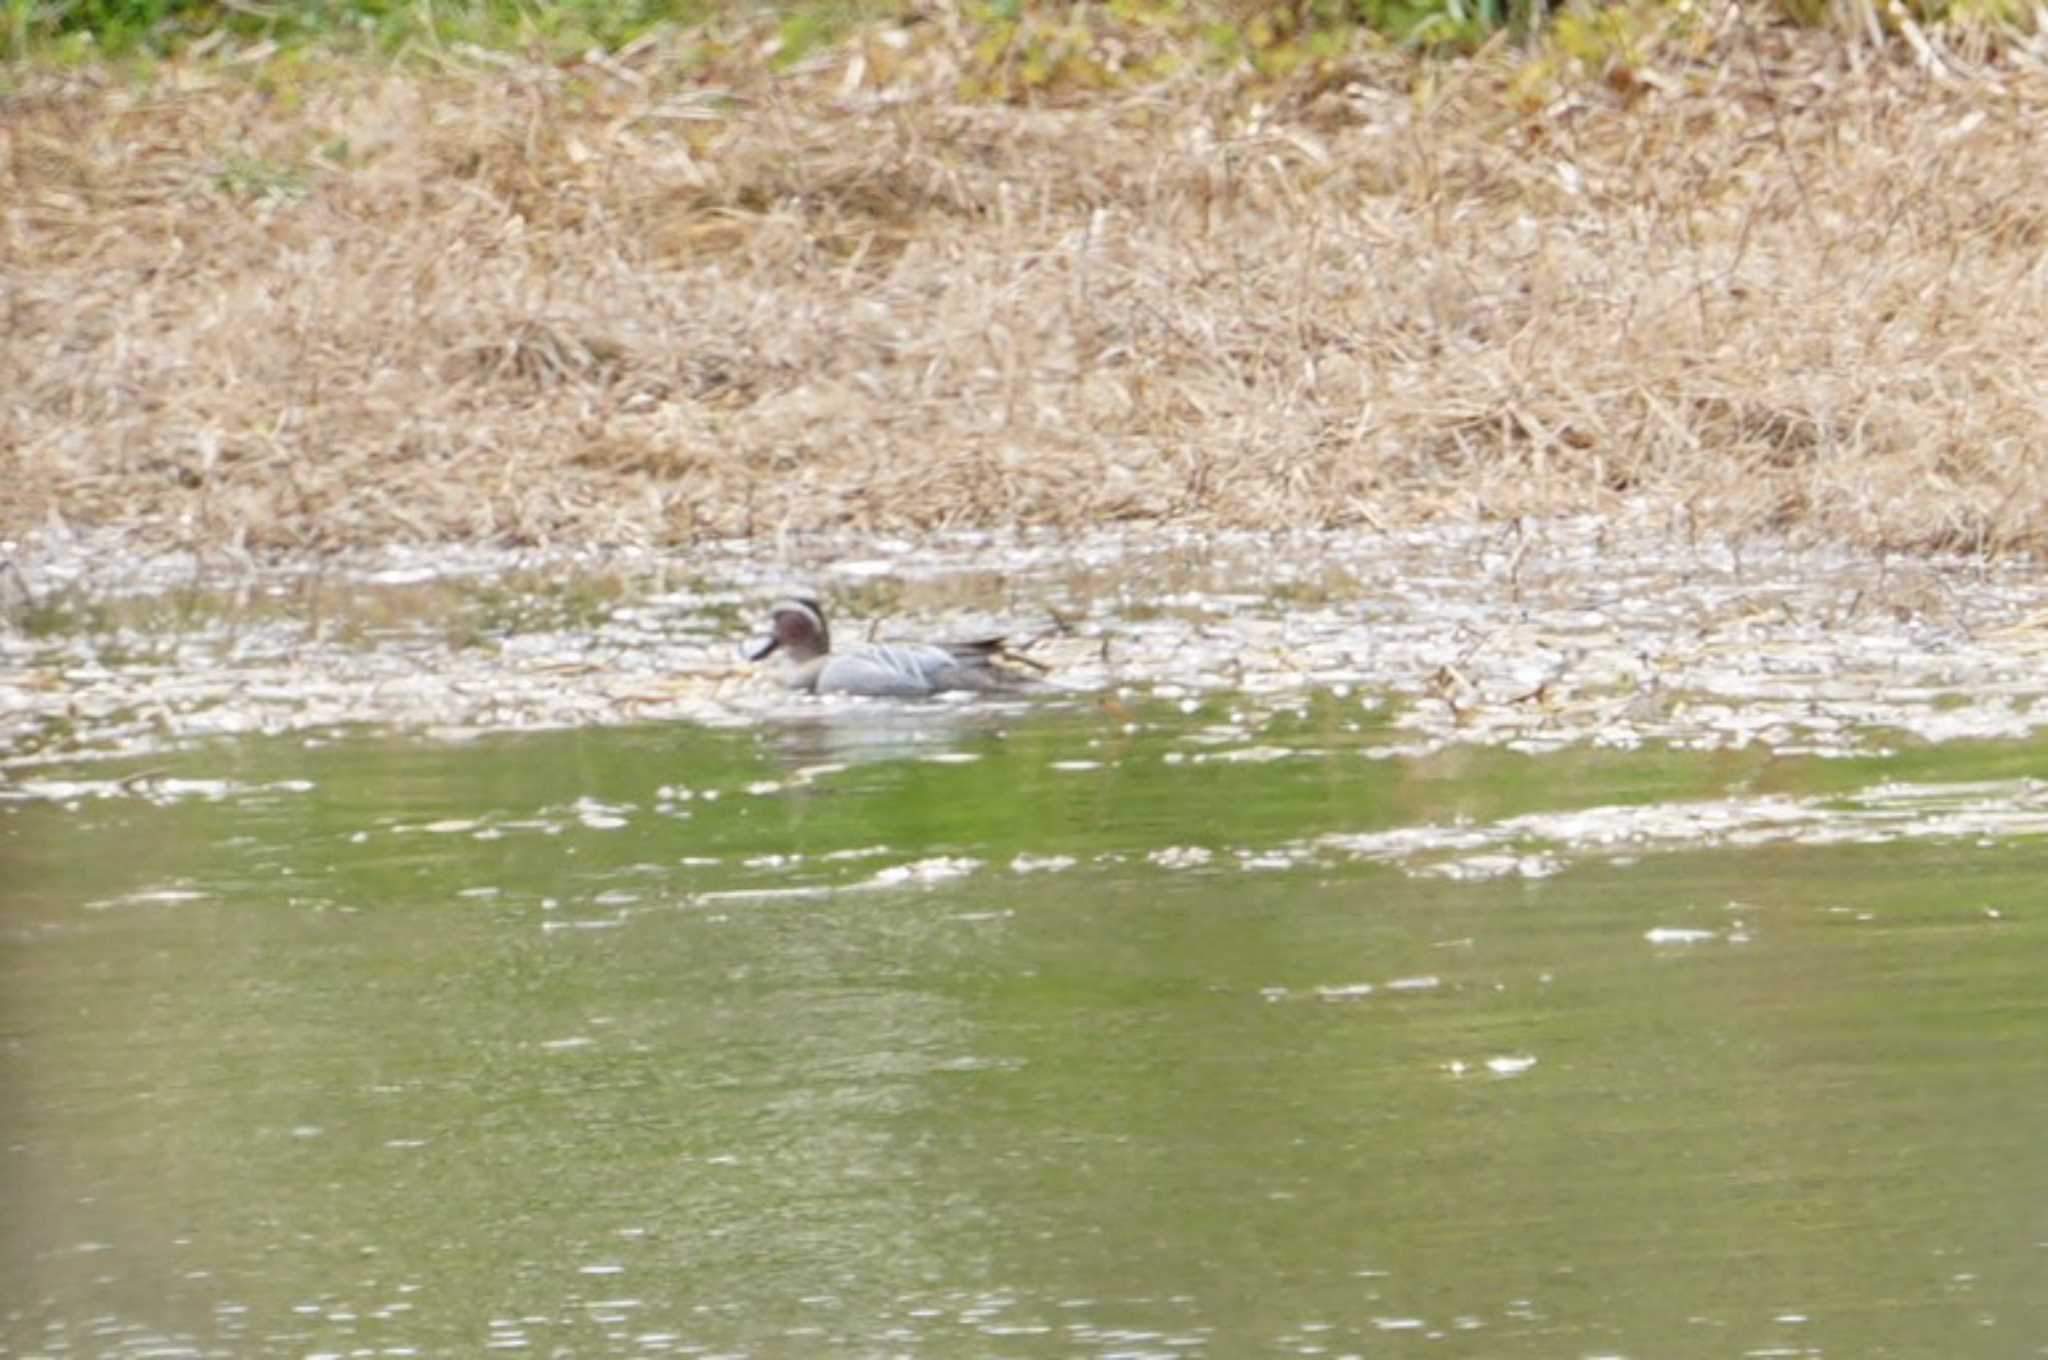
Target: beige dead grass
<point x="533" y="305"/>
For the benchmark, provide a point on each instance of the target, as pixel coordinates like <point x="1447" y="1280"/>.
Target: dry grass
<point x="1776" y="287"/>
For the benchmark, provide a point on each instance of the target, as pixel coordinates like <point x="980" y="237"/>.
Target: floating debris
<point x="1591" y="632"/>
<point x="1679" y="935"/>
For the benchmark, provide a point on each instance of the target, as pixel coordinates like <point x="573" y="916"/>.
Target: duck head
<point x="796" y="628"/>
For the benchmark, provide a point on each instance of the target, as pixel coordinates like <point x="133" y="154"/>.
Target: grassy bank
<point x="1061" y="270"/>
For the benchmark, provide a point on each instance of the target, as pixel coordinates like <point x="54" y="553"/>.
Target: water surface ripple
<point x="1176" y="1027"/>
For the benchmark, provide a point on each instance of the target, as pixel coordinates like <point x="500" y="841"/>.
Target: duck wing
<point x="888" y="669"/>
<point x="910" y="669"/>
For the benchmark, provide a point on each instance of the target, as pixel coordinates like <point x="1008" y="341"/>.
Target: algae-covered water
<point x="1072" y="1028"/>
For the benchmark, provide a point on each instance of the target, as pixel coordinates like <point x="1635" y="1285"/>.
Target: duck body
<point x="800" y="641"/>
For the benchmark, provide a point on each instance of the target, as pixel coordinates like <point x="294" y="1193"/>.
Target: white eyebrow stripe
<point x="793" y="605"/>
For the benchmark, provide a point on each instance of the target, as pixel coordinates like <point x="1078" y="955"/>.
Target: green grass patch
<point x="1022" y="47"/>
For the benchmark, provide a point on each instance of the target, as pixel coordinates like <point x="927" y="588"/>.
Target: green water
<point x="380" y="1047"/>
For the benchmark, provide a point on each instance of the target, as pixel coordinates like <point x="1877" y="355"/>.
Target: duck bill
<point x="757" y="649"/>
